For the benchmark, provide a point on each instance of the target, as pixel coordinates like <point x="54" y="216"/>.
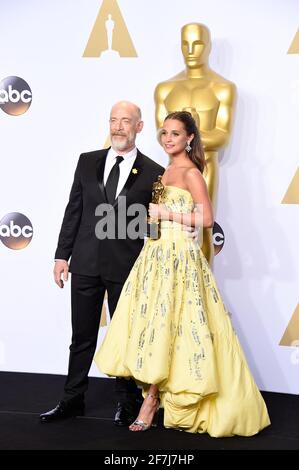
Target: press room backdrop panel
<point x="258" y="267"/>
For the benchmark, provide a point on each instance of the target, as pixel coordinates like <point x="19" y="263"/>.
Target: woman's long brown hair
<point x="196" y="153"/>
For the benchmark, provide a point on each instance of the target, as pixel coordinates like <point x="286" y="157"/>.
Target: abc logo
<point x="15" y="96"/>
<point x="218" y="238"/>
<point x="15" y="231"/>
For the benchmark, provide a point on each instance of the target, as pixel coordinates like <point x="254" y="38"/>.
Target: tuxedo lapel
<point x="134" y="174"/>
<point x="100" y="172"/>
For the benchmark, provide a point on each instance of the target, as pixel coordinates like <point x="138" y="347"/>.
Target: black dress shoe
<point x="62" y="411"/>
<point x="125" y="414"/>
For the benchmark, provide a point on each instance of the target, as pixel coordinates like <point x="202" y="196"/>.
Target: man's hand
<point x="192" y="232"/>
<point x="61" y="267"/>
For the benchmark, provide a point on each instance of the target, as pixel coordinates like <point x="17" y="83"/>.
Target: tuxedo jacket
<point x="112" y="259"/>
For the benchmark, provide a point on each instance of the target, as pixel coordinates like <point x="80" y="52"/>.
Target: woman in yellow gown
<point x="171" y="331"/>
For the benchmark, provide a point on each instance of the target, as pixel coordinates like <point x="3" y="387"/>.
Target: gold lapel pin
<point x="135" y="171"/>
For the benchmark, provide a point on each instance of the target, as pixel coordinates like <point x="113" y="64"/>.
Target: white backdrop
<point x="258" y="268"/>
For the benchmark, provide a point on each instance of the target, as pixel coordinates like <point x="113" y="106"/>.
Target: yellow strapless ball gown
<point x="172" y="329"/>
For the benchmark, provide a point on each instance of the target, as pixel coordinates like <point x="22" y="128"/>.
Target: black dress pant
<point x="87" y="299"/>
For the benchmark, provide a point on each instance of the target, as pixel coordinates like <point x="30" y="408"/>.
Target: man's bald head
<point x="129" y="107"/>
<point x="125" y="123"/>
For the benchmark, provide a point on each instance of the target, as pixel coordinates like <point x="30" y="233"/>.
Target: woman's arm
<point x="202" y="216"/>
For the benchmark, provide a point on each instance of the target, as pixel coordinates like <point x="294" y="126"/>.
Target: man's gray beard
<point x="118" y="146"/>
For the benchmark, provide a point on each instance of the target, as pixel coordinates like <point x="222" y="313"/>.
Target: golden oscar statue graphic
<point x="153" y="225"/>
<point x="210" y="99"/>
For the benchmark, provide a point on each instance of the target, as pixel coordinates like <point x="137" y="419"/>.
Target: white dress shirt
<point x="125" y="166"/>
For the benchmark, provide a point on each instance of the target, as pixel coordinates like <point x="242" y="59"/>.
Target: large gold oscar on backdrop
<point x="211" y="100"/>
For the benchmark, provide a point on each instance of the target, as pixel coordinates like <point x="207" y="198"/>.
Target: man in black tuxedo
<point x="121" y="173"/>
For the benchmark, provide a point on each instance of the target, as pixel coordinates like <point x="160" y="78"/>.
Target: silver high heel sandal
<point x="146" y="426"/>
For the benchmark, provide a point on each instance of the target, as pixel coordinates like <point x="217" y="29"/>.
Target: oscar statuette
<point x="153" y="225"/>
